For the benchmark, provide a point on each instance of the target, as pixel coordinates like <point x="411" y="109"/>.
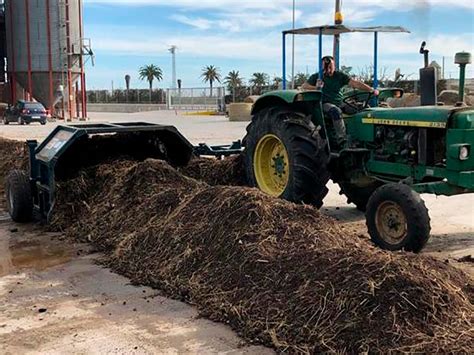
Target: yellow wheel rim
<point x="391" y="222"/>
<point x="271" y="165"/>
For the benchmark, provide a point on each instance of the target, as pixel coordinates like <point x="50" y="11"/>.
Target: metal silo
<point x="45" y="51"/>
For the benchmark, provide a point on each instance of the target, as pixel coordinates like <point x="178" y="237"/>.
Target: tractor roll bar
<point x="331" y="30"/>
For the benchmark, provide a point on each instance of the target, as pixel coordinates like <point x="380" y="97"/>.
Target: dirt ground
<point x="56" y="298"/>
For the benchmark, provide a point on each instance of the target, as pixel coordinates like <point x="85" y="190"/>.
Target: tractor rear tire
<point x="19" y="196"/>
<point x="397" y="218"/>
<point x="286" y="156"/>
<point x="359" y="196"/>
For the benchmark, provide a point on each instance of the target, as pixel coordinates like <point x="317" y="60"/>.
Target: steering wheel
<point x="353" y="103"/>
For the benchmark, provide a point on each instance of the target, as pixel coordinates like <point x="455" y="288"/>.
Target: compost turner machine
<point x="70" y="148"/>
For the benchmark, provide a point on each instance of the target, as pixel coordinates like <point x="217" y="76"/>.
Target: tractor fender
<point x="284" y="98"/>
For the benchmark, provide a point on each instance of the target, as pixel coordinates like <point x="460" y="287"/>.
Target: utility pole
<point x="172" y="50"/>
<point x="293" y="49"/>
<point x="442" y="75"/>
<point x="338" y="19"/>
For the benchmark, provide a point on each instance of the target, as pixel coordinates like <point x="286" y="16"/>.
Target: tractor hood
<point x="284" y="97"/>
<point x="423" y="116"/>
<point x="463" y="119"/>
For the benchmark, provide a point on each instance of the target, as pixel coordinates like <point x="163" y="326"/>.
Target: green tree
<point x="346" y="70"/>
<point x="150" y="73"/>
<point x="259" y="80"/>
<point x="233" y="81"/>
<point x="276" y="82"/>
<point x="210" y="74"/>
<point x="300" y="79"/>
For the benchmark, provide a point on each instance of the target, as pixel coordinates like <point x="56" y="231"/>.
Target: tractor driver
<point x="331" y="86"/>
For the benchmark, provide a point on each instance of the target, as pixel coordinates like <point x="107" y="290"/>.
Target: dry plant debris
<point x="280" y="274"/>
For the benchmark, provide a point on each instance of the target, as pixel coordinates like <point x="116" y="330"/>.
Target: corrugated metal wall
<point x="44" y="48"/>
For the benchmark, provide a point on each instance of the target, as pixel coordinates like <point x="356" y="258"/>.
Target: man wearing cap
<point x="331" y="86"/>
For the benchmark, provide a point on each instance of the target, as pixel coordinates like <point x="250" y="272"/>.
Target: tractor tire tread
<point x="416" y="213"/>
<point x="18" y="187"/>
<point x="307" y="152"/>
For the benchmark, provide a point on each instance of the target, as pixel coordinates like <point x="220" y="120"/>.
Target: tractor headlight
<point x="464" y="152"/>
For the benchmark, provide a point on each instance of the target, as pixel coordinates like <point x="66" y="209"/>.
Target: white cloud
<point x="240" y="21"/>
<point x="397" y="5"/>
<point x="198" y="22"/>
<point x="214" y="46"/>
<point x="355" y="16"/>
<point x="268" y="45"/>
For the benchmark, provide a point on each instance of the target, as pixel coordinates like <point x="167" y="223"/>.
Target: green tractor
<point x="391" y="155"/>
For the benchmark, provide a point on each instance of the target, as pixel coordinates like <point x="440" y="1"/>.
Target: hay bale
<point x="251" y="99"/>
<point x="407" y="100"/>
<point x="240" y="112"/>
<point x="281" y="274"/>
<point x="448" y="97"/>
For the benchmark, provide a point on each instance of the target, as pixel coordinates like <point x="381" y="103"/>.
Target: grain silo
<point x="45" y="48"/>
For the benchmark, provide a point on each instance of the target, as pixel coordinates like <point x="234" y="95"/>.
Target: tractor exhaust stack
<point x="463" y="59"/>
<point x="428" y="80"/>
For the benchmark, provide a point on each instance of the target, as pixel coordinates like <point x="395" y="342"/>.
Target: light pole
<point x="172" y="50"/>
<point x="293" y="49"/>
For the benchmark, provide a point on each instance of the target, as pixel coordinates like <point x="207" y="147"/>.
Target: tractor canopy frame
<point x="332" y="30"/>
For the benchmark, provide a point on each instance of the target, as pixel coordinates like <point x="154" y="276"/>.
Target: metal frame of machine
<point x="332" y="30"/>
<point x="168" y="142"/>
<point x="44" y="157"/>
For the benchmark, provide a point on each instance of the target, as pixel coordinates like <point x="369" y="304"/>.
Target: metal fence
<point x="132" y="96"/>
<point x="195" y="99"/>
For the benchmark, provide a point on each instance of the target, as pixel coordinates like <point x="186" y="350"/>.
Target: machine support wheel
<point x="397" y="218"/>
<point x="286" y="157"/>
<point x="20" y="121"/>
<point x="359" y="196"/>
<point x="19" y="196"/>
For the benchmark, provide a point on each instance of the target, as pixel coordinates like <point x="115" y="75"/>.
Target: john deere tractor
<point x="391" y="155"/>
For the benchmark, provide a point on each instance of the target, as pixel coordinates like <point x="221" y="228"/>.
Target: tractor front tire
<point x="359" y="196"/>
<point x="19" y="196"/>
<point x="397" y="218"/>
<point x="286" y="156"/>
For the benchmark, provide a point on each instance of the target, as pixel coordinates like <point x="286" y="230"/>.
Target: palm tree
<point x="210" y="74"/>
<point x="150" y="73"/>
<point x="233" y="81"/>
<point x="300" y="79"/>
<point x="276" y="82"/>
<point x="259" y="80"/>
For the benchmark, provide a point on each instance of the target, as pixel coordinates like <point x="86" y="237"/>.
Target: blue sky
<point x="245" y="35"/>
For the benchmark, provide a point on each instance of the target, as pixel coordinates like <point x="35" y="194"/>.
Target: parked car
<point x="25" y="112"/>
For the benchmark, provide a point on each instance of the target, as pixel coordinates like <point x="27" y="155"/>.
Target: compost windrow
<point x="281" y="274"/>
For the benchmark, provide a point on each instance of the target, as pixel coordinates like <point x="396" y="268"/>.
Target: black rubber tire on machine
<point x="397" y="218"/>
<point x="286" y="156"/>
<point x="19" y="196"/>
<point x="359" y="196"/>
